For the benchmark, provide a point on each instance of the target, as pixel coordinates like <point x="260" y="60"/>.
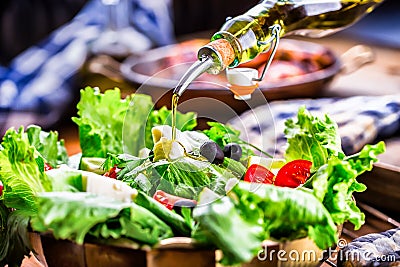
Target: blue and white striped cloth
<point x="37" y="86"/>
<point x="361" y="120"/>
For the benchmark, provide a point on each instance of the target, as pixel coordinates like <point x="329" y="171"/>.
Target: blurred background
<point x="24" y="23"/>
<point x="46" y="46"/>
<point x="27" y="22"/>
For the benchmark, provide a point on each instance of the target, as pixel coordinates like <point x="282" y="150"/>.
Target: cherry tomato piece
<point x="294" y="173"/>
<point x="259" y="174"/>
<point x="47" y="167"/>
<point x="1" y="189"/>
<point x="161" y="197"/>
<point x="169" y="200"/>
<point x="113" y="172"/>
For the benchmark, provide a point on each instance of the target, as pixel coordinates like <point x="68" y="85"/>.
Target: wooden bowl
<point x="121" y="253"/>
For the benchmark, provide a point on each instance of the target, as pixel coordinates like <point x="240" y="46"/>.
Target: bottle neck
<point x="221" y="52"/>
<point x="246" y="36"/>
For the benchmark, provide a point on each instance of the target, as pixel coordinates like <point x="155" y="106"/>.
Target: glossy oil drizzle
<point x="174" y="106"/>
<point x="198" y="68"/>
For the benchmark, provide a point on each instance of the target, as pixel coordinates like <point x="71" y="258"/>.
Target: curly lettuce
<point x="21" y="172"/>
<point x="312" y="138"/>
<point x="335" y="182"/>
<point x="48" y="145"/>
<point x="101" y="118"/>
<point x="109" y="123"/>
<point x="334" y="178"/>
<point x="22" y="158"/>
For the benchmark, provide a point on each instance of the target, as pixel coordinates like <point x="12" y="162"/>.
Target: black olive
<point x="233" y="151"/>
<point x="151" y="155"/>
<point x="212" y="152"/>
<point x="183" y="203"/>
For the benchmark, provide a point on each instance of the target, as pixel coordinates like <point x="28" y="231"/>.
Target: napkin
<point x="38" y="85"/>
<point x="361" y="120"/>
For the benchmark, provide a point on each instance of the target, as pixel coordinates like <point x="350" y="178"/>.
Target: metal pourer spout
<point x="198" y="68"/>
<point x="212" y="58"/>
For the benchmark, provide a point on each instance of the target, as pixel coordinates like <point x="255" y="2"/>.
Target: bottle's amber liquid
<point x="311" y="18"/>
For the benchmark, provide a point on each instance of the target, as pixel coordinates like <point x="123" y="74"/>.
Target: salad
<point x="133" y="182"/>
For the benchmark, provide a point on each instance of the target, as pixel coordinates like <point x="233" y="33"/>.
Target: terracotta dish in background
<point x="300" y="70"/>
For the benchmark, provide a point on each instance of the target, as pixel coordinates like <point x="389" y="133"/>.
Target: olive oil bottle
<point x="244" y="37"/>
<point x="250" y="34"/>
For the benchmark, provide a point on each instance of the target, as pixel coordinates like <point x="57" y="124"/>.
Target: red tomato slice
<point x="1" y="189"/>
<point x="294" y="173"/>
<point x="258" y="174"/>
<point x="47" y="167"/>
<point x="112" y="173"/>
<point x="168" y="200"/>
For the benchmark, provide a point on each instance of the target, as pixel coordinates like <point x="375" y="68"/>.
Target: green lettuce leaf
<point x="287" y="213"/>
<point x="101" y="120"/>
<point x="256" y="212"/>
<point x="75" y="215"/>
<point x="48" y="145"/>
<point x="222" y="134"/>
<point x="22" y="158"/>
<point x="335" y="182"/>
<point x="109" y="124"/>
<point x="175" y="221"/>
<point x="21" y="172"/>
<point x="312" y="138"/>
<point x="221" y="224"/>
<point x="363" y="161"/>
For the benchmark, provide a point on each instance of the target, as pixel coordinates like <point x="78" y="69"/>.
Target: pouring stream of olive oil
<point x="192" y="73"/>
<point x="244" y="37"/>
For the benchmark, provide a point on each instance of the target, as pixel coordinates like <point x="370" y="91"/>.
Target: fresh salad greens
<point x="109" y="124"/>
<point x="251" y="213"/>
<point x="312" y="139"/>
<point x="184" y="177"/>
<point x="22" y="171"/>
<point x="74" y="215"/>
<point x="314" y="209"/>
<point x="335" y="182"/>
<point x="23" y="156"/>
<point x="48" y="145"/>
<point x="136" y="184"/>
<point x="101" y="120"/>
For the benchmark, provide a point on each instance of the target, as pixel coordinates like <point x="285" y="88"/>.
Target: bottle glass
<point x="249" y="33"/>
